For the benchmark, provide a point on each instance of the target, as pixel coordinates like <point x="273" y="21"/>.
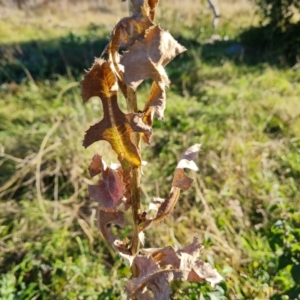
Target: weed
<point x="248" y="175"/>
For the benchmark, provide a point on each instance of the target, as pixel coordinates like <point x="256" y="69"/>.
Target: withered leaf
<point x="131" y="29"/>
<point x="97" y="165"/>
<point x="181" y="180"/>
<point x="99" y="82"/>
<point x="134" y="76"/>
<point x="152" y="5"/>
<point x="187" y="158"/>
<point x="152" y="54"/>
<point x="163" y="209"/>
<point x="114" y="127"/>
<point x="146" y="5"/>
<point x="166" y="264"/>
<point x="109" y="191"/>
<point x="164" y="257"/>
<point x="168" y="205"/>
<point x="199" y="271"/>
<point x="161" y="46"/>
<point x="157" y="100"/>
<point x="194" y="249"/>
<point x="152" y="282"/>
<point x="168" y="256"/>
<point x="125" y="33"/>
<point x="186" y="261"/>
<point x="105" y="221"/>
<point x="148" y="116"/>
<point x="138" y="124"/>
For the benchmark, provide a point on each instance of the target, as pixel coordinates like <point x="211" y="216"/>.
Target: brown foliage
<point x="148" y="49"/>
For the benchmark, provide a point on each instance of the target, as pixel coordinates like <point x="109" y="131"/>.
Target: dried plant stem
<point x="136" y="179"/>
<point x="136" y="173"/>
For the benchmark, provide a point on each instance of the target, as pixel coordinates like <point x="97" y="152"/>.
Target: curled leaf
<point x="152" y="5"/>
<point x="125" y="33"/>
<point x="180" y="182"/>
<point x="161" y="46"/>
<point x="97" y="165"/>
<point x="136" y="121"/>
<point x="137" y="6"/>
<point x="106" y="220"/>
<point x="99" y="82"/>
<point x="152" y="282"/>
<point x="152" y="54"/>
<point x="180" y="179"/>
<point x="166" y="264"/>
<point x="202" y="271"/>
<point x="157" y="100"/>
<point x="194" y="249"/>
<point x="109" y="191"/>
<point x="168" y="256"/>
<point x="164" y="208"/>
<point x="187" y="158"/>
<point x="147" y="68"/>
<point x="131" y="29"/>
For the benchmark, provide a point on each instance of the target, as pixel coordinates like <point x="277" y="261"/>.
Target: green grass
<point x="244" y="204"/>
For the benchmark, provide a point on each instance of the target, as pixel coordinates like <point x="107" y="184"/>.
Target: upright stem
<point x="135" y="181"/>
<point x="136" y="172"/>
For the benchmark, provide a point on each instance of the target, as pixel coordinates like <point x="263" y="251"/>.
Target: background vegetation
<point x="236" y="91"/>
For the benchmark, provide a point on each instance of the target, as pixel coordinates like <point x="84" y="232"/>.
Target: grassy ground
<point x="241" y="104"/>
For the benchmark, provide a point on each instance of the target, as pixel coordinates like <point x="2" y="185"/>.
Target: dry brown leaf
<point x="106" y="219"/>
<point x="144" y="5"/>
<point x="133" y="75"/>
<point x="199" y="271"/>
<point x="194" y="249"/>
<point x="168" y="256"/>
<point x="114" y="127"/>
<point x="187" y="158"/>
<point x="147" y="5"/>
<point x="108" y="193"/>
<point x="152" y="282"/>
<point x="164" y="265"/>
<point x="186" y="261"/>
<point x="138" y="124"/>
<point x="202" y="271"/>
<point x="125" y="33"/>
<point x="152" y="54"/>
<point x="161" y="46"/>
<point x="152" y="5"/>
<point x="164" y="209"/>
<point x="181" y="180"/>
<point x="157" y="100"/>
<point x="132" y="29"/>
<point x="97" y="165"/>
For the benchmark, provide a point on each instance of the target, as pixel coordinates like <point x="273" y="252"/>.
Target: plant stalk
<point x="136" y="172"/>
<point x="135" y="181"/>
